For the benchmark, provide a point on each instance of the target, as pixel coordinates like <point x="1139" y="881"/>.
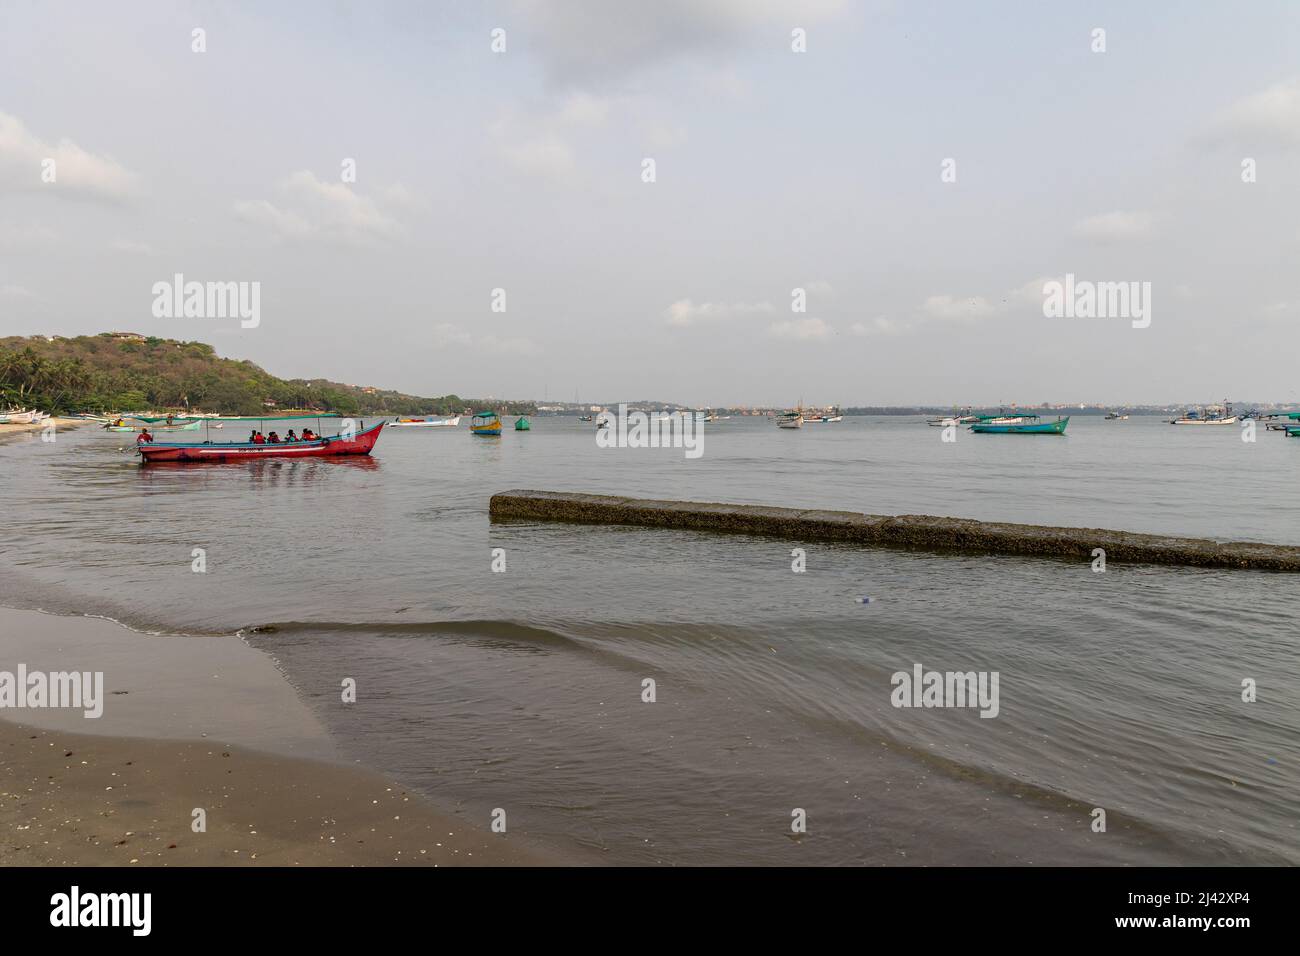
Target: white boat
<point x="966" y="418"/>
<point x="21" y="417"/>
<point x="1209" y="415"/>
<point x="826" y="416"/>
<point x="452" y="422"/>
<point x="790" y="419"/>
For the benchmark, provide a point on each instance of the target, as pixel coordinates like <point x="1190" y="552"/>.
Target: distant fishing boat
<point x="359" y="444"/>
<point x="427" y="422"/>
<point x="826" y="416"/>
<point x="21" y="417"/>
<point x="1116" y="417"/>
<point x="485" y="423"/>
<point x="965" y="418"/>
<point x="793" y="419"/>
<point x="522" y="424"/>
<point x="586" y="418"/>
<point x="1209" y="415"/>
<point x="1026" y="425"/>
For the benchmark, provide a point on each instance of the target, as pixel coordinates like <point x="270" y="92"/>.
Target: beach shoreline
<point x="200" y="724"/>
<point x="10" y="432"/>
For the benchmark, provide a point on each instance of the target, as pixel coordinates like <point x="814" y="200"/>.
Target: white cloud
<point x="1270" y="117"/>
<point x="547" y="155"/>
<point x="952" y="309"/>
<point x="397" y="194"/>
<point x="662" y="135"/>
<point x="1115" y="226"/>
<point x="445" y="333"/>
<point x="283" y="223"/>
<point x="30" y="235"/>
<point x="880" y="325"/>
<point x="584" y="109"/>
<point x="1285" y="309"/>
<point x="77" y="172"/>
<point x="800" y="329"/>
<point x="589" y="42"/>
<point x="684" y="312"/>
<point x="316" y="209"/>
<point x="449" y="334"/>
<point x="131" y="247"/>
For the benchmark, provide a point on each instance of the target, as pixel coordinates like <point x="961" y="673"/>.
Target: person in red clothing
<point x="273" y="438"/>
<point x="258" y="439"/>
<point x="308" y="435"/>
<point x="144" y="437"/>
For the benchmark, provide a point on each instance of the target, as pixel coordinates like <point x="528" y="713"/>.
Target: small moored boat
<point x="1026" y="425"/>
<point x="792" y="419"/>
<point x="427" y="422"/>
<point x="485" y="423"/>
<point x="359" y="443"/>
<point x="1210" y="415"/>
<point x="522" y="424"/>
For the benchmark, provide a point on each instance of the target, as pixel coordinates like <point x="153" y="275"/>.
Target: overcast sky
<point x="775" y="170"/>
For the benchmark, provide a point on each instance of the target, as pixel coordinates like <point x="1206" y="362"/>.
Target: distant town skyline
<point x="717" y="202"/>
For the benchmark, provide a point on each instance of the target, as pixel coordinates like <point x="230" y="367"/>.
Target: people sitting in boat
<point x="258" y="438"/>
<point x="144" y="437"/>
<point x="252" y="436"/>
<point x="308" y="435"/>
<point x="291" y="436"/>
<point x="273" y="438"/>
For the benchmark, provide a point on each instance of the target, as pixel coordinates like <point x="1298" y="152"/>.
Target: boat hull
<point x="1039" y="428"/>
<point x="359" y="444"/>
<point x="1205" y="421"/>
<point x="426" y="422"/>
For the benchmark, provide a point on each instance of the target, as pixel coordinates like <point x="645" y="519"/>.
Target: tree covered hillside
<point x="122" y="372"/>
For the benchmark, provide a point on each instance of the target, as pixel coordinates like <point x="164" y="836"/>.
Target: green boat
<point x="522" y="424"/>
<point x="1293" y="433"/>
<point x="1025" y="428"/>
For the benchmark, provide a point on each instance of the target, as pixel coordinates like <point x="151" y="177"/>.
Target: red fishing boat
<point x="358" y="444"/>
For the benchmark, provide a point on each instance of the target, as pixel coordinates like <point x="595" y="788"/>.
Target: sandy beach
<point x="201" y="723"/>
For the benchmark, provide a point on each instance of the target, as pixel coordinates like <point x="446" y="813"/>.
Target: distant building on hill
<point x="127" y="336"/>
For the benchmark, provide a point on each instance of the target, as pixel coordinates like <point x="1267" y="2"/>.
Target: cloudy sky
<point x="774" y="170"/>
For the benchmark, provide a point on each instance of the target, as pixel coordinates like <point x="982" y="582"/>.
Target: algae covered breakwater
<point x="925" y="532"/>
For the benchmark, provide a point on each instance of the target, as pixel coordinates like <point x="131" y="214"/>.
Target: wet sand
<point x="80" y="800"/>
<point x="33" y="432"/>
<point x="199" y="722"/>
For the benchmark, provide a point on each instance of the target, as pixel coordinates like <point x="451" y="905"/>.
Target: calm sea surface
<point x="523" y="690"/>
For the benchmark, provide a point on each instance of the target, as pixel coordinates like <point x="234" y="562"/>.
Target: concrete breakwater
<point x="925" y="532"/>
